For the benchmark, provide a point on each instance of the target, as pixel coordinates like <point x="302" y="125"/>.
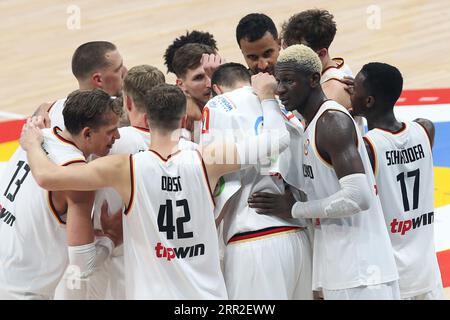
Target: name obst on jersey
<point x="173" y="184"/>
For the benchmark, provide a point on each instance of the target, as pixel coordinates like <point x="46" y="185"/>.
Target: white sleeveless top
<point x="236" y="115"/>
<point x="33" y="253"/>
<point x="170" y="239"/>
<point x="348" y="252"/>
<point x="405" y="180"/>
<point x="56" y="114"/>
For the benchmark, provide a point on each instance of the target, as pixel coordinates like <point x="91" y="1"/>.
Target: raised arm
<point x="110" y="171"/>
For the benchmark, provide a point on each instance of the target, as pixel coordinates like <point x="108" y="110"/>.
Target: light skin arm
<point x="42" y="111"/>
<point x="79" y="226"/>
<point x="337" y="91"/>
<point x="110" y="171"/>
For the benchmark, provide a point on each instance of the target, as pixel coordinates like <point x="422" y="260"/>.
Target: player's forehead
<point x="114" y="59"/>
<point x="259" y="46"/>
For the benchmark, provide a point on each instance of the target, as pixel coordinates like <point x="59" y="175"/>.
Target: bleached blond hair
<point x="303" y="56"/>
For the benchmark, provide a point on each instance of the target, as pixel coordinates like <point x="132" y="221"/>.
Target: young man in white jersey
<point x="34" y="233"/>
<point x="193" y="65"/>
<point x="96" y="64"/>
<point x="170" y="238"/>
<point x="256" y="245"/>
<point x="108" y="281"/>
<point x="401" y="157"/>
<point x="316" y="29"/>
<point x="352" y="254"/>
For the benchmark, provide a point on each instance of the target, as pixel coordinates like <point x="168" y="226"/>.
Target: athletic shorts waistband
<point x="263" y="233"/>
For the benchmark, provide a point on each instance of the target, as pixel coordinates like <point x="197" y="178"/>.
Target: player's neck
<point x="327" y="62"/>
<point x="165" y="143"/>
<point x="138" y="120"/>
<point x="312" y="105"/>
<point x="75" y="141"/>
<point x="387" y="121"/>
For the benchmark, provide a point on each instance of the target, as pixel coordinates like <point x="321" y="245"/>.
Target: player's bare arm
<point x="429" y="128"/>
<point x="337" y="144"/>
<point x="111" y="171"/>
<point x="337" y="91"/>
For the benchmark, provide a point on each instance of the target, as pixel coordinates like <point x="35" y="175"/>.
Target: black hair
<point x="229" y="73"/>
<point x="191" y="37"/>
<point x="254" y="26"/>
<point x="382" y="81"/>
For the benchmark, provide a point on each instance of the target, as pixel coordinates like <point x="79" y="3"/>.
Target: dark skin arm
<point x="337" y="143"/>
<point x="370" y="154"/>
<point x="429" y="128"/>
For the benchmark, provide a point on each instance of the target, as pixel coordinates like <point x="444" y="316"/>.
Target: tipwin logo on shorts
<point x="404" y="226"/>
<point x="179" y="253"/>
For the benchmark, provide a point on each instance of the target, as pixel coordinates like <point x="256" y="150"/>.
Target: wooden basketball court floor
<point x="39" y="37"/>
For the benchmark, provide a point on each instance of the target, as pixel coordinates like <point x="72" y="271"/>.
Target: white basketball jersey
<point x="56" y="114"/>
<point x="338" y="72"/>
<point x="353" y="251"/>
<point x="33" y="249"/>
<point x="405" y="180"/>
<point x="236" y="115"/>
<point x="170" y="238"/>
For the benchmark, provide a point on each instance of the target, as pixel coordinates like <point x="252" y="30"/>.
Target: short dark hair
<point x="254" y="26"/>
<point x="139" y="79"/>
<point x="88" y="108"/>
<point x="188" y="57"/>
<point x="383" y="81"/>
<point x="314" y="28"/>
<point x="90" y="57"/>
<point x="229" y="73"/>
<point x="191" y="37"/>
<point x="165" y="105"/>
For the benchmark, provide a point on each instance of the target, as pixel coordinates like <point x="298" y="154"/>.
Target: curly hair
<point x="314" y="28"/>
<point x="191" y="37"/>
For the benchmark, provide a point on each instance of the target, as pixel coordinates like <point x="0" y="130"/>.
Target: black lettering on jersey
<point x="404" y="156"/>
<point x="170" y="184"/>
<point x="166" y="218"/>
<point x="6" y="216"/>
<point x="13" y="188"/>
<point x="308" y="171"/>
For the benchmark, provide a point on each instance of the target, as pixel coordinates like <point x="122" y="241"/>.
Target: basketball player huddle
<point x="237" y="182"/>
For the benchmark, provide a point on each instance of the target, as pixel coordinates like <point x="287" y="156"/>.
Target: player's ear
<point x="180" y="83"/>
<point x="128" y="102"/>
<point x="314" y="80"/>
<point x="217" y="90"/>
<point x="86" y="133"/>
<point x="370" y="101"/>
<point x="96" y="80"/>
<point x="322" y="53"/>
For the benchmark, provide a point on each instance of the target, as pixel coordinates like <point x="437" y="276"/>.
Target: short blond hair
<point x="302" y="55"/>
<point x="139" y="80"/>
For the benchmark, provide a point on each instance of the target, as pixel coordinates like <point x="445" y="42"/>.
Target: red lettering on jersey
<point x="205" y="120"/>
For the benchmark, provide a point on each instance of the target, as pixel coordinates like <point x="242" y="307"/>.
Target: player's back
<point x="34" y="247"/>
<point x="170" y="238"/>
<point x="404" y="176"/>
<point x="241" y="111"/>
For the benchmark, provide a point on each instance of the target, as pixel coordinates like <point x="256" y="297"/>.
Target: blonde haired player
<point x="170" y="240"/>
<point x="352" y="254"/>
